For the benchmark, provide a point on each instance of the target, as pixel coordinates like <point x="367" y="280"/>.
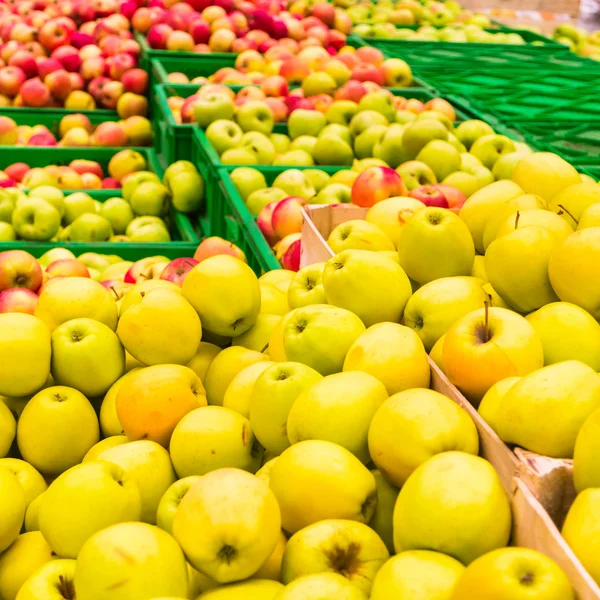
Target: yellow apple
<point x="74" y="298"/>
<point x="273" y="300"/>
<point x="571" y="202"/>
<point x="453" y="502"/>
<point x="257" y="337"/>
<point x="484" y="204"/>
<point x="544" y="174"/>
<point x="392" y="214"/>
<point x="480" y="351"/>
<point x="316" y="480"/>
<point x="256" y="589"/>
<point x="163" y="328"/>
<point x="87" y="355"/>
<point x="213" y="438"/>
<point x="319" y="586"/>
<point x="105" y="444"/>
<point x="224" y="367"/>
<point x="495" y="299"/>
<point x="478" y="270"/>
<point x="8" y="429"/>
<point x="435" y="243"/>
<point x="590" y="217"/>
<point x="557" y="226"/>
<point x="414" y="425"/>
<point x="320" y="336"/>
<point x="83" y="500"/>
<point x="57" y="428"/>
<point x="109" y="420"/>
<point x="280" y="278"/>
<point x="573" y="270"/>
<point x="491" y="404"/>
<point x="566" y="394"/>
<point x="228" y="525"/>
<point x="32" y="514"/>
<point x="130" y="560"/>
<point x="339" y="409"/>
<point x="275" y="348"/>
<point x="437" y="305"/>
<point x="264" y="473"/>
<point x="12" y="508"/>
<point x="515" y="573"/>
<point x="358" y="235"/>
<point x="26" y="555"/>
<point x="271" y="569"/>
<point x="567" y="333"/>
<point x="54" y="580"/>
<point x="170" y="501"/>
<point x="198" y="582"/>
<point x="24" y="354"/>
<point x="335" y="546"/>
<point x="239" y="392"/>
<point x="436" y="354"/>
<point x="138" y="292"/>
<point x="369" y="284"/>
<point x="148" y="465"/>
<point x="225" y="293"/>
<point x="417" y="575"/>
<point x="203" y="358"/>
<point x="307" y="287"/>
<point x="32" y="482"/>
<point x="382" y="520"/>
<point x="273" y="395"/>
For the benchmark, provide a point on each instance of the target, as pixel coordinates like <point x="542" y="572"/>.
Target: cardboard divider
<point x="540" y="488"/>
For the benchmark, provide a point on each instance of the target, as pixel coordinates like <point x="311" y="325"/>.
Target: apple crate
<point x="33" y="116"/>
<point x="184" y="242"/>
<point x="540" y="488"/>
<point x="593" y="172"/>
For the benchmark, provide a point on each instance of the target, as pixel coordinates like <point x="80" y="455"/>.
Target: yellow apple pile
<point x="236" y="437"/>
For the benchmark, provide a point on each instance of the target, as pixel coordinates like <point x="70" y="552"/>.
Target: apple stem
<point x="265" y="348"/>
<point x="187" y="262"/>
<point x="112" y="289"/>
<point x="487" y="320"/>
<point x="563" y="209"/>
<point x="65" y="588"/>
<point x="517" y="218"/>
<point x="142" y="294"/>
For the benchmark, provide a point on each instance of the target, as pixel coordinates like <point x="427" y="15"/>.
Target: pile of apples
<point x="76" y="130"/>
<point x="227" y="26"/>
<point x="137" y="215"/>
<point x="215" y="434"/>
<point x="48" y="61"/>
<point x="579" y="40"/>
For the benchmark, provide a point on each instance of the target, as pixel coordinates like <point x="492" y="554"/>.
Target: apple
<point x="359" y="235"/>
<point x="214" y="246"/>
<point x="429" y="196"/>
<point x="67" y="267"/>
<point x="376" y="184"/>
<point x="36" y="219"/>
<point x="171" y="500"/>
<point x="416" y="174"/>
<point x="18" y="269"/>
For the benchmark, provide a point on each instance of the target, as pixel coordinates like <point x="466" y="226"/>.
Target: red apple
<point x="215" y="245"/>
<point x="47" y="65"/>
<point x="93" y="67"/>
<point x="82" y="166"/>
<point x="68" y="57"/>
<point x="367" y="72"/>
<point x="177" y="270"/>
<point x="291" y="257"/>
<point x="35" y="93"/>
<point x="119" y="64"/>
<point x="67" y="267"/>
<point x="53" y="34"/>
<point x="19" y="269"/>
<point x="11" y="80"/>
<point x="142" y="269"/>
<point x="287" y="216"/>
<point x="25" y="61"/>
<point x="430" y="196"/>
<point x="158" y="35"/>
<point x="454" y="197"/>
<point x="59" y="84"/>
<point x="376" y="184"/>
<point x="264" y="223"/>
<point x="135" y="80"/>
<point x="18" y="300"/>
<point x="367" y="54"/>
<point x="17" y="171"/>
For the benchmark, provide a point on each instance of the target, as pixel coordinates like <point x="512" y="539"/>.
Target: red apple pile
<point x="77" y="130"/>
<point x="73" y="61"/>
<point x="237" y="25"/>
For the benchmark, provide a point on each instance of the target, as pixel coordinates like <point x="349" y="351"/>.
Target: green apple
<point x="405" y="116"/>
<point x="359" y="235"/>
<point x="307" y="287"/>
<point x="304" y="142"/>
<point x="452" y="139"/>
<point x="335" y="129"/>
<point x="437" y="305"/>
<point x="52" y="195"/>
<point x="318" y="82"/>
<point x="444" y="120"/>
<point x="255" y="116"/>
<point x="239" y="156"/>
<point x="320" y="336"/>
<point x="257" y="200"/>
<point x="87" y="355"/>
<point x="331" y="150"/>
<point x="419" y="133"/>
<point x="7" y="205"/>
<point x="94" y="261"/>
<point x="35" y="219"/>
<point x="273" y="395"/>
<point x="37" y="177"/>
<point x="149" y="466"/>
<point x="353" y="397"/>
<point x="369" y="284"/>
<point x="453" y="491"/>
<point x="26" y="555"/>
<point x="318" y="178"/>
<point x="415" y="174"/>
<point x="54" y="580"/>
<point x="55" y="254"/>
<point x="150" y="199"/>
<point x="134" y="179"/>
<point x="187" y="191"/>
<point x="334" y="193"/>
<point x="466" y="183"/>
<point x="341" y="111"/>
<point x="177" y="168"/>
<point x="445" y="246"/>
<point x="294" y="158"/>
<point x="364" y="120"/>
<point x="247" y="180"/>
<point x="366" y="141"/>
<point x="305" y="122"/>
<point x="419" y="575"/>
<point x="118" y="213"/>
<point x="489" y="148"/>
<point x="7" y="232"/>
<point x="381" y="102"/>
<point x="155" y="567"/>
<point x="505" y="165"/>
<point x="280" y="141"/>
<point x="390" y="147"/>
<point x="441" y="157"/>
<point x="85" y="499"/>
<point x="147" y="229"/>
<point x="212" y="107"/>
<point x="294" y="183"/>
<point x="223" y="134"/>
<point x="260" y="145"/>
<point x="90" y="228"/>
<point x="171" y="500"/>
<point x="358" y="551"/>
<point x="468" y="132"/>
<point x="12" y="504"/>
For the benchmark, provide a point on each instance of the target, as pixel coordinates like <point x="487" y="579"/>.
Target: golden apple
<point x="239" y="392"/>
<point x="392" y="214"/>
<point x="321" y="585"/>
<point x="203" y="358"/>
<point x="171" y="500"/>
<point x="12" y="508"/>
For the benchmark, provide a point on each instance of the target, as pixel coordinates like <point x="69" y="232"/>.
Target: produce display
<point x="579" y="40"/>
<point x="329" y="336"/>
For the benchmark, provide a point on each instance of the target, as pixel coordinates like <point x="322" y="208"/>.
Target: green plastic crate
<point x="31" y="116"/>
<point x="593" y="172"/>
<point x="184" y="242"/>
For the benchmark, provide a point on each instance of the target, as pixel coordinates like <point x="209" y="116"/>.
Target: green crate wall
<point x="184" y="237"/>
